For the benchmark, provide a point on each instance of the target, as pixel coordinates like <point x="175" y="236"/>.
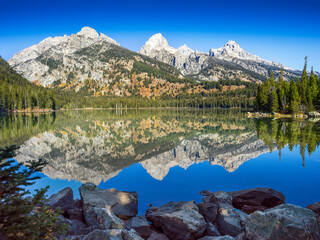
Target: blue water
<point x="91" y="146"/>
<point x="299" y="184"/>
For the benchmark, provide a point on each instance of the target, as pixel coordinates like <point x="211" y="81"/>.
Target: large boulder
<point x="212" y="230"/>
<point x="98" y="234"/>
<point x="250" y="200"/>
<point x="157" y="236"/>
<point x="220" y="198"/>
<point x="102" y="218"/>
<point x="226" y="237"/>
<point x="113" y="234"/>
<point x="178" y="220"/>
<point x="75" y="227"/>
<point x="209" y="211"/>
<point x="122" y="204"/>
<point x="315" y="207"/>
<point x="76" y="213"/>
<point x="228" y="220"/>
<point x="284" y="222"/>
<point x="62" y="199"/>
<point x="141" y="225"/>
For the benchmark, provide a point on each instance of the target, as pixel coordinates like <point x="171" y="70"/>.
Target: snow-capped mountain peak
<point x="88" y="32"/>
<point x="185" y="50"/>
<point x="233" y="50"/>
<point x="156" y="43"/>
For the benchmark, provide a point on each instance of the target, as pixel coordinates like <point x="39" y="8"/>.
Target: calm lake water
<point x="169" y="155"/>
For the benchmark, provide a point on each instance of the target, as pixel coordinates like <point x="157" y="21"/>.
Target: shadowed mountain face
<point x="96" y="145"/>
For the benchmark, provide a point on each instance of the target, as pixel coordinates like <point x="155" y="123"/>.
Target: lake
<point x="169" y="155"/>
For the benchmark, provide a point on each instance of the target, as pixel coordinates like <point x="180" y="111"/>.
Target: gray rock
<point x="77" y="228"/>
<point x="122" y="204"/>
<point x="212" y="230"/>
<point x="157" y="236"/>
<point x="101" y="218"/>
<point x="141" y="225"/>
<point x="76" y="213"/>
<point x="285" y="222"/>
<point x="77" y="203"/>
<point x="226" y="237"/>
<point x="209" y="211"/>
<point x="229" y="221"/>
<point x="113" y="234"/>
<point x="74" y="237"/>
<point x="131" y="235"/>
<point x="315" y="207"/>
<point x="62" y="199"/>
<point x="178" y="220"/>
<point x="98" y="234"/>
<point x="241" y="236"/>
<point x="207" y="195"/>
<point x="250" y="200"/>
<point x="221" y="197"/>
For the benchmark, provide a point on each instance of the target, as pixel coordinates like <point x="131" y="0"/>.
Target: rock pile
<point x="259" y="213"/>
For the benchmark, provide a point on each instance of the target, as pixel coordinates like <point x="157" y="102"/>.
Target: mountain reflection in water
<point x="95" y="146"/>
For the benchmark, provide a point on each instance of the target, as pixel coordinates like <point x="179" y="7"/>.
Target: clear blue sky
<point x="284" y="31"/>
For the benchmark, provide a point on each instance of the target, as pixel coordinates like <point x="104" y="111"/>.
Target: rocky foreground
<point x="259" y="213"/>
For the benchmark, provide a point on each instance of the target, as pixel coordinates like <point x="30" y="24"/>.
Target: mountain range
<point x="97" y="64"/>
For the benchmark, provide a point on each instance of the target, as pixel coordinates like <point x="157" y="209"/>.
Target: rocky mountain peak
<point x="185" y="50"/>
<point x="230" y="49"/>
<point x="233" y="50"/>
<point x="88" y="32"/>
<point x="28" y="61"/>
<point x="156" y="43"/>
<point x="233" y="45"/>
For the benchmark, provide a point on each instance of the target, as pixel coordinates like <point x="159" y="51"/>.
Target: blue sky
<point x="284" y="31"/>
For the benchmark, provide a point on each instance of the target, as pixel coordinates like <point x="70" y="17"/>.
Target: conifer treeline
<point x="17" y="93"/>
<point x="289" y="97"/>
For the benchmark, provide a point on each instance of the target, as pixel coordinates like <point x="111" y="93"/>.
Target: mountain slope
<point x="17" y="93"/>
<point x="230" y="61"/>
<point x="96" y="64"/>
<point x="93" y="64"/>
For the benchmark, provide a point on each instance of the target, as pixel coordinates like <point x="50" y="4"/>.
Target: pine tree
<point x="281" y="92"/>
<point x="313" y="86"/>
<point x="304" y="84"/>
<point x="294" y="97"/>
<point x="273" y="102"/>
<point x="20" y="217"/>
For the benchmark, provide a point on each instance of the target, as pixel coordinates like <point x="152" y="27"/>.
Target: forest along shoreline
<point x="112" y="108"/>
<point x="258" y="213"/>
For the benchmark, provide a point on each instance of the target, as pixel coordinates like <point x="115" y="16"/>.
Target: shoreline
<point x="249" y="214"/>
<point x="309" y="115"/>
<point x="120" y="109"/>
